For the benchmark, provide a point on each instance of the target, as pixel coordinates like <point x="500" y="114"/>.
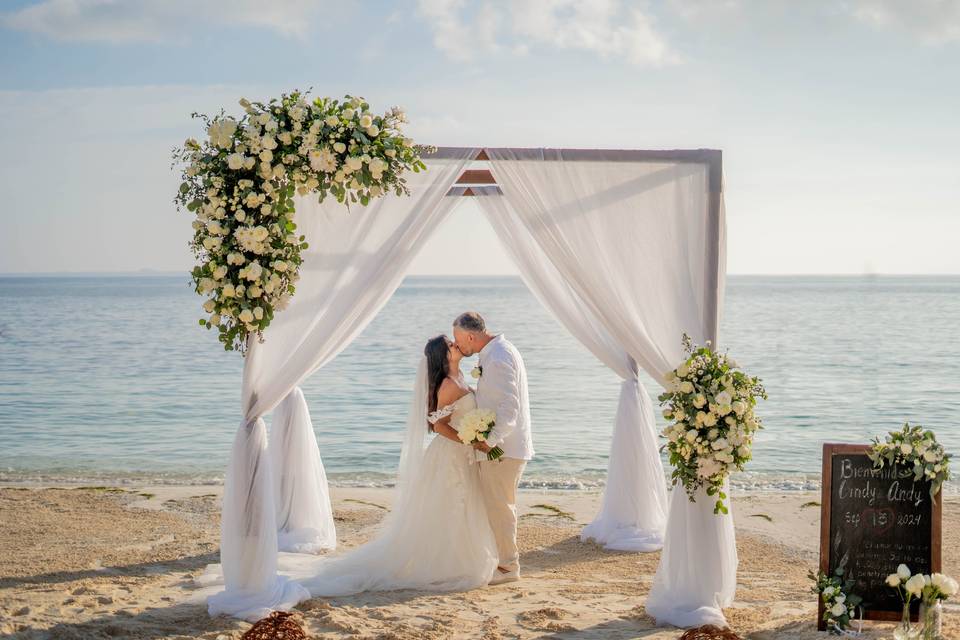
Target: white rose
<point x="258" y="313"/>
<point x="366" y="120"/>
<point x="893" y="580"/>
<point x="390" y="152"/>
<point x="228" y="291"/>
<point x="254" y="291"/>
<point x="691" y="435"/>
<point x="215" y="319"/>
<point x="710" y="420"/>
<point x="209" y="306"/>
<point x="838" y="610"/>
<point x="235" y="161"/>
<point x="683" y="370"/>
<point x="266" y="155"/>
<point x="686" y="387"/>
<point x="355" y="163"/>
<point x="339" y="147"/>
<point x="348" y="113"/>
<point x="723" y="398"/>
<point x="720" y="444"/>
<point x="949" y="587"/>
<point x="905" y="448"/>
<point x="219" y="272"/>
<point x="699" y="401"/>
<point x="373" y="131"/>
<point x="915" y="585"/>
<point x="332" y="121"/>
<point x="375" y="191"/>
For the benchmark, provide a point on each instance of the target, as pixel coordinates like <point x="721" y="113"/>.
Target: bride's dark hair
<point x="438" y="367"/>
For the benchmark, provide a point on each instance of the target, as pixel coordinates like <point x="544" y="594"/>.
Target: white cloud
<point x="128" y="21"/>
<point x="933" y="21"/>
<point x="606" y="28"/>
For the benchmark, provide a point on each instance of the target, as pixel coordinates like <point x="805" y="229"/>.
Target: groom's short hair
<point x="470" y="321"/>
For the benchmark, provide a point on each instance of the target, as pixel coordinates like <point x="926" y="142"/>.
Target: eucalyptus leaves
<point x="240" y="184"/>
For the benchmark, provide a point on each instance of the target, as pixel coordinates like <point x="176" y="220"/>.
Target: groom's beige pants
<point x="499" y="479"/>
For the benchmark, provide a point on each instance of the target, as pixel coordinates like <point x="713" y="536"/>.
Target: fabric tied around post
<point x="697" y="576"/>
<point x="633" y="514"/>
<point x="304" y="515"/>
<point x="248" y="546"/>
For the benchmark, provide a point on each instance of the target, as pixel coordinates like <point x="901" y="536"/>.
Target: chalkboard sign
<point x="873" y="520"/>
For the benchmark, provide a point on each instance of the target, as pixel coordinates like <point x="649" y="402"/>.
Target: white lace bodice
<point x="463" y="405"/>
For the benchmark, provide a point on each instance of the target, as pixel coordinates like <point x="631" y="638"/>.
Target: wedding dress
<point x="438" y="539"/>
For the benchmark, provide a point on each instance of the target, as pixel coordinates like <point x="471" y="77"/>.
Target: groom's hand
<point x="482" y="446"/>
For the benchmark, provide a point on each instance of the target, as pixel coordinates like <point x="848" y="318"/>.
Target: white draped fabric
<point x="632" y="242"/>
<point x="304" y="517"/>
<point x="356" y="260"/>
<point x="697" y="576"/>
<point x="635" y="505"/>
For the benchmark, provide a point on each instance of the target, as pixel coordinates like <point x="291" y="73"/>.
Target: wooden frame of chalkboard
<point x="830" y="450"/>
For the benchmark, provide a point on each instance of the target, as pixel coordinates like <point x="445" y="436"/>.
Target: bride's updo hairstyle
<point x="438" y="367"/>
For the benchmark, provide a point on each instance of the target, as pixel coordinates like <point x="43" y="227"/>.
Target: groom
<point x="502" y="388"/>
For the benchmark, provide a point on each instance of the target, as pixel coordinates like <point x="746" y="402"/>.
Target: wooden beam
<point x="476" y="176"/>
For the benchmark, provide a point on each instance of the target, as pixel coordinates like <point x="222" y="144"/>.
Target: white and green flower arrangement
<point x="711" y="403"/>
<point x="240" y="184"/>
<point x="916" y="450"/>
<point x="840" y="603"/>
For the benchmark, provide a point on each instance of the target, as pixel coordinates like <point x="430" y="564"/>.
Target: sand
<point x="101" y="562"/>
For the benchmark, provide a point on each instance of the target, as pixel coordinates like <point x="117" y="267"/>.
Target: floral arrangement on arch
<point x="915" y="449"/>
<point x="240" y="184"/>
<point x="711" y="403"/>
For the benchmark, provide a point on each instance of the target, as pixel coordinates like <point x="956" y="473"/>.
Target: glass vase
<point x="904" y="630"/>
<point x="931" y="620"/>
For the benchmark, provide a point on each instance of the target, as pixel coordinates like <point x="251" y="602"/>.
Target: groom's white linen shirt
<point x="503" y="388"/>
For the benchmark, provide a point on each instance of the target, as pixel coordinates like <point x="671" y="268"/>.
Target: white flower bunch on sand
<point x="710" y="402"/>
<point x="839" y="602"/>
<point x="240" y="185"/>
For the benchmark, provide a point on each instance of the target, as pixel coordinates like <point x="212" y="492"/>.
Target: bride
<point x="437" y="537"/>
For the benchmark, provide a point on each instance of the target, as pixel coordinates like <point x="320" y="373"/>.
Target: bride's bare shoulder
<point x="450" y="392"/>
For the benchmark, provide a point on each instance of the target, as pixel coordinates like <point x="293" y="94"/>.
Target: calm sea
<point x="110" y="378"/>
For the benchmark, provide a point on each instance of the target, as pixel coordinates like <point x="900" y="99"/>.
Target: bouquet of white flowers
<point x="839" y="602"/>
<point x="475" y="426"/>
<point x="240" y="185"/>
<point x="915" y="449"/>
<point x="711" y="403"/>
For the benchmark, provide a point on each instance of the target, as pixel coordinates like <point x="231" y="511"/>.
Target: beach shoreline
<point x="119" y="561"/>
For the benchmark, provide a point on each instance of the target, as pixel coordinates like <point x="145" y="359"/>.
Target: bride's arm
<point x="444" y="429"/>
<point x="448" y="394"/>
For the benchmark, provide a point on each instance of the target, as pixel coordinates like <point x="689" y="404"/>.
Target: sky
<point x="838" y="120"/>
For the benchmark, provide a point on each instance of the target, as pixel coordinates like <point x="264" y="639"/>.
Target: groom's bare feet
<point x="502" y="576"/>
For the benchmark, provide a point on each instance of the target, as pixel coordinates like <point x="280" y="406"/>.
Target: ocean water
<point x="110" y="379"/>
